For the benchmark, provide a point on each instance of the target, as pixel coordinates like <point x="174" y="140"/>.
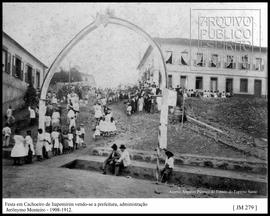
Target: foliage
<point x="30" y="97"/>
<point x="63" y="76"/>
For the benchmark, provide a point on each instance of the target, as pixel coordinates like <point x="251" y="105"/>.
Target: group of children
<point x="105" y="123"/>
<point x="53" y="141"/>
<point x="216" y="94"/>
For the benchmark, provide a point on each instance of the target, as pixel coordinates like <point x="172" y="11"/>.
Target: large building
<point x="208" y="65"/>
<point x="88" y="79"/>
<point x="19" y="68"/>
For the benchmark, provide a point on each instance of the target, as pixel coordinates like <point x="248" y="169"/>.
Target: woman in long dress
<point x="18" y="151"/>
<point x="141" y="103"/>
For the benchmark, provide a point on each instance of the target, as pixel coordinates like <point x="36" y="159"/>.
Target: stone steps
<point x="184" y="174"/>
<point x="257" y="166"/>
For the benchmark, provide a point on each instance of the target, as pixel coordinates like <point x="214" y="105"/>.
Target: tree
<point x="63" y="76"/>
<point x="30" y="97"/>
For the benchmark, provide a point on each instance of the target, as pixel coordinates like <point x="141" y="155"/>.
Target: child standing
<point x="78" y="138"/>
<point x="48" y="144"/>
<point x="55" y="141"/>
<point x="18" y="150"/>
<point x="97" y="132"/>
<point x="70" y="140"/>
<point x="29" y="147"/>
<point x="6" y="135"/>
<point x="82" y="135"/>
<point x="61" y="141"/>
<point x="32" y="116"/>
<point x="65" y="142"/>
<point x="40" y="144"/>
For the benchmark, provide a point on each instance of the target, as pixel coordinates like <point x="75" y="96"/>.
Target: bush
<point x="30" y="97"/>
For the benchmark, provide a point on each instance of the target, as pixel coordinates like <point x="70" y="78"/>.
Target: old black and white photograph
<point x="133" y="101"/>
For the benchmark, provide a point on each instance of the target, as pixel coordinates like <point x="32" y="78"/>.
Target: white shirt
<point x="76" y="106"/>
<point x="32" y="113"/>
<point x="125" y="158"/>
<point x="82" y="130"/>
<point x="48" y="121"/>
<point x="56" y="115"/>
<point x="170" y="162"/>
<point x="29" y="142"/>
<point x="9" y="112"/>
<point x="71" y="114"/>
<point x="6" y="131"/>
<point x="54" y="100"/>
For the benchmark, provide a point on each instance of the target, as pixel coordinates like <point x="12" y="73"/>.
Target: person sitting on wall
<point x="9" y="116"/>
<point x="223" y="94"/>
<point x="123" y="162"/>
<point x="166" y="172"/>
<point x="111" y="160"/>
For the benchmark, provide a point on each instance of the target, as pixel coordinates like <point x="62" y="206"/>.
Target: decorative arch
<point x="101" y="19"/>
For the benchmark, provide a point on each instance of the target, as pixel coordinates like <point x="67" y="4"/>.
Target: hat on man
<point x="122" y="147"/>
<point x="114" y="146"/>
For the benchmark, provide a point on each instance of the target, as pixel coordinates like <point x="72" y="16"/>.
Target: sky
<point x="111" y="54"/>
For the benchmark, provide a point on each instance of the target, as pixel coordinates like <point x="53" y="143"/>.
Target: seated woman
<point x="112" y="127"/>
<point x="215" y="94"/>
<point x="223" y="95"/>
<point x="103" y="127"/>
<point x="205" y="94"/>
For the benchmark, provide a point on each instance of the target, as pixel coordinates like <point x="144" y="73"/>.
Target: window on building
<point x="213" y="84"/>
<point x="199" y="83"/>
<point x="9" y="63"/>
<point x="214" y="62"/>
<point x="29" y="72"/>
<point x="244" y="65"/>
<point x="200" y="59"/>
<point x="184" y="58"/>
<point x="243" y="85"/>
<point x="18" y="68"/>
<point x="258" y="64"/>
<point x="38" y="79"/>
<point x="169" y="57"/>
<point x="4" y="60"/>
<point x="170" y="81"/>
<point x="230" y="62"/>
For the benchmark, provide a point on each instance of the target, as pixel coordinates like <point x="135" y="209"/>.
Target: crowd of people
<point x="144" y="97"/>
<point x="203" y="94"/>
<point x="55" y="140"/>
<point x="60" y="138"/>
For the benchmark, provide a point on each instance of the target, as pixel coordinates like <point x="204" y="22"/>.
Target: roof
<point x="146" y="54"/>
<point x="195" y="42"/>
<point x="25" y="50"/>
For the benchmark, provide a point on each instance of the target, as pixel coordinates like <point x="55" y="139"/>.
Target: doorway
<point x="258" y="88"/>
<point x="229" y="85"/>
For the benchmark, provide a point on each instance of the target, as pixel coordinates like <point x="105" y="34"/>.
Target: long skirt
<point x="18" y="150"/>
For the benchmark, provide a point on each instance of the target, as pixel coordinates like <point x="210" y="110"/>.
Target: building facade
<point x="19" y="68"/>
<point x="88" y="79"/>
<point x="208" y="65"/>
